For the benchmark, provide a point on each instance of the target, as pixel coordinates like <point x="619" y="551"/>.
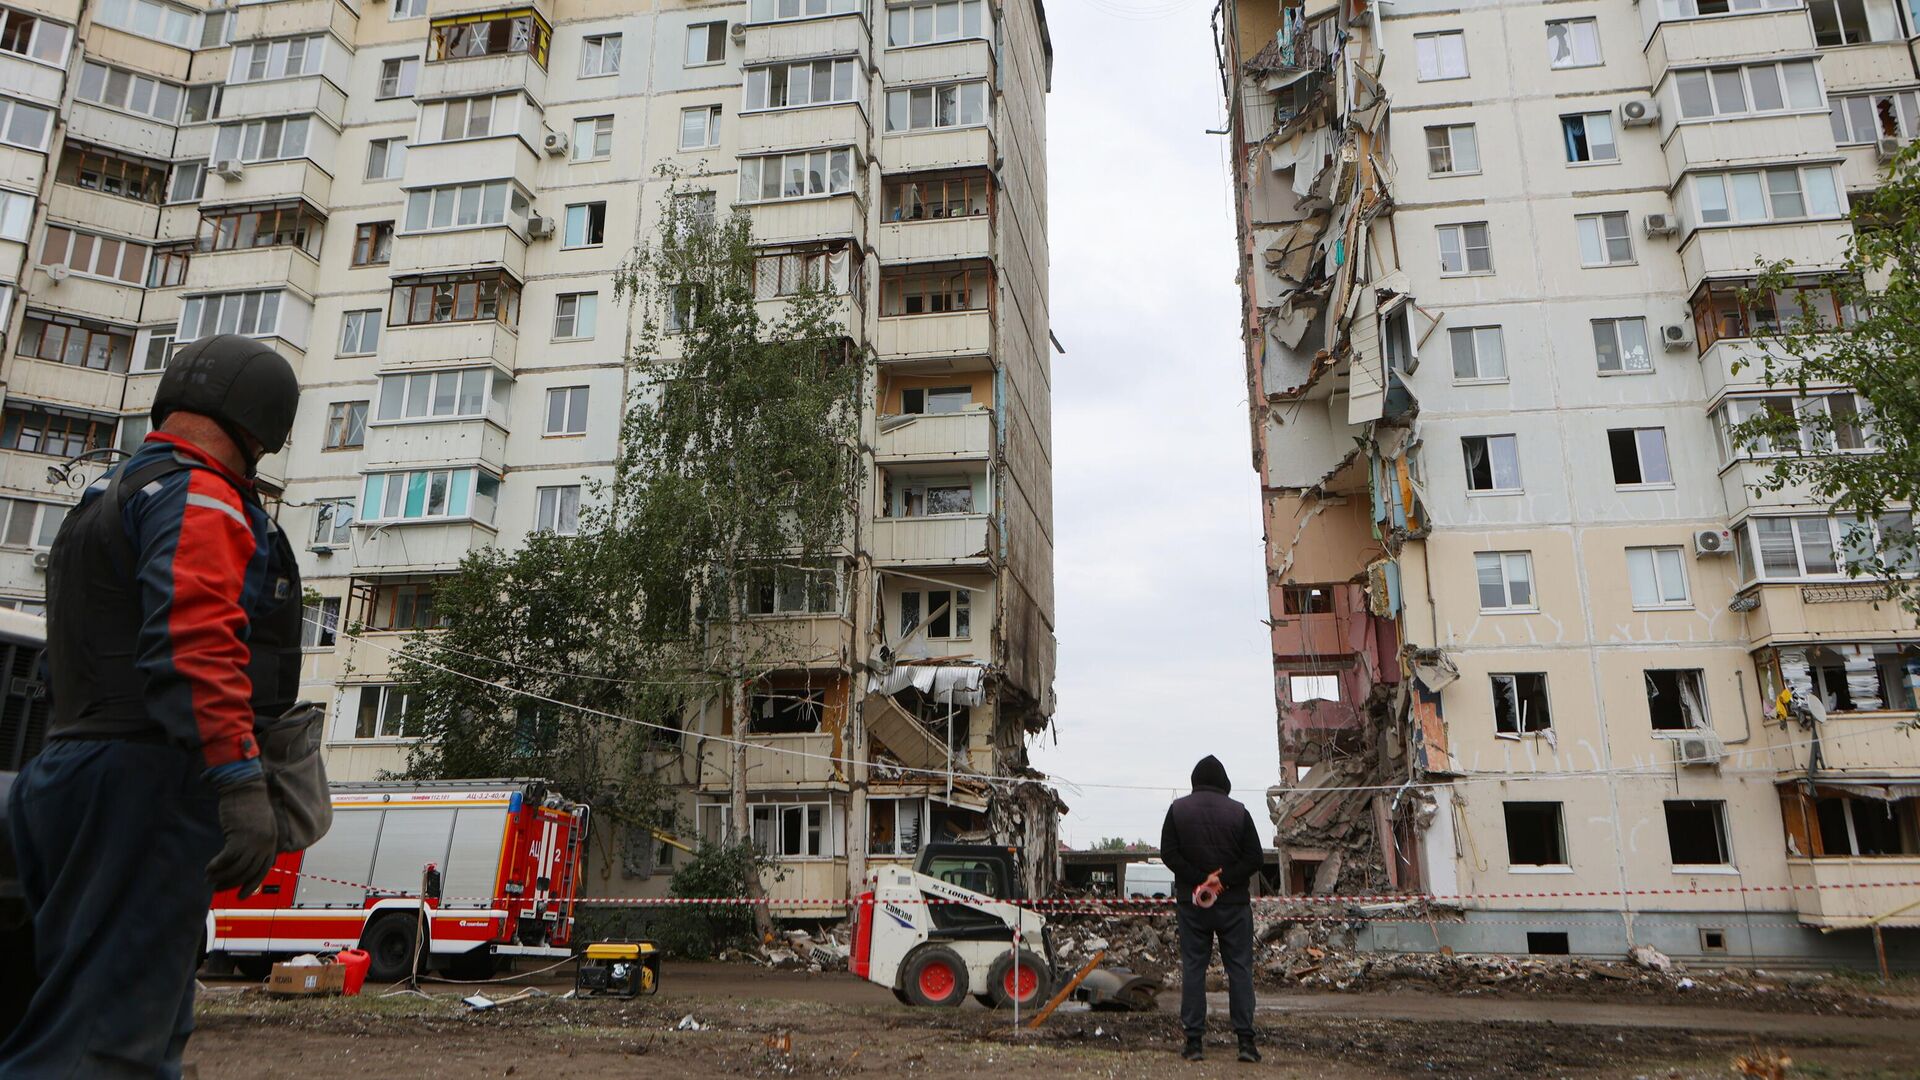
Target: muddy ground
<point x="791" y="1024"/>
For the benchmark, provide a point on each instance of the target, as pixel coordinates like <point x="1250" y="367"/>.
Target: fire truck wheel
<point x="935" y="975"/>
<point x="1033" y="986"/>
<point x="388" y="941"/>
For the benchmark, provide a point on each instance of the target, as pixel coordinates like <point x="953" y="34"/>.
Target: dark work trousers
<point x="1198" y="928"/>
<point x="113" y="840"/>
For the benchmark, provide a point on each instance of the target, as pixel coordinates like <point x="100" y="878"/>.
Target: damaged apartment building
<point x="424" y="205"/>
<point x="1530" y="610"/>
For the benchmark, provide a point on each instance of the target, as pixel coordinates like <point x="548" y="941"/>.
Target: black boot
<point x="1193" y="1051"/>
<point x="1248" y="1052"/>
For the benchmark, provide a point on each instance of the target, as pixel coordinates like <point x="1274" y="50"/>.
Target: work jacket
<point x="1208" y="831"/>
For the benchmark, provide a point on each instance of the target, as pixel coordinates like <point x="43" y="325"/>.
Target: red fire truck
<point x="506" y="856"/>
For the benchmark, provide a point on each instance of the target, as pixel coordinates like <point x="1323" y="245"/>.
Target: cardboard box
<point x="305" y="981"/>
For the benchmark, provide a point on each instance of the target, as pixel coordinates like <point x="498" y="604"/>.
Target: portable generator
<point x="618" y="969"/>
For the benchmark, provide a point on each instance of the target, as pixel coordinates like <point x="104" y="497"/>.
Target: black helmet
<point x="238" y="382"/>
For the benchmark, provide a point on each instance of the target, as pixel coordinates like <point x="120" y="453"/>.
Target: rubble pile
<point x="800" y="950"/>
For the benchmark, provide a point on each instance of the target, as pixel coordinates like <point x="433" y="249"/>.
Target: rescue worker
<point x="173" y="620"/>
<point x="1210" y="843"/>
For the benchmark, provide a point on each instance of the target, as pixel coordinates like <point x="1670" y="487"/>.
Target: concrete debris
<point x="688" y="1023"/>
<point x="1648" y="957"/>
<point x="800" y="950"/>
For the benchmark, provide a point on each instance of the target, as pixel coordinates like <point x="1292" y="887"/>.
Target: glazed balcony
<point x="808" y="39"/>
<point x="460" y="249"/>
<point x="252" y="268"/>
<point x="438" y="345"/>
<point x="1812" y="246"/>
<point x="947" y="62"/>
<point x="417" y="547"/>
<point x="802" y="128"/>
<point x="272" y="181"/>
<point x="1685" y="42"/>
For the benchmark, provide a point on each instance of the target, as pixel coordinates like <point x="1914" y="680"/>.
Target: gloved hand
<point x="246" y="820"/>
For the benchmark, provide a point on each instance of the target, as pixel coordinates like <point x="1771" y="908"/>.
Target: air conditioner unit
<point x="1639" y="112"/>
<point x="555" y="143"/>
<point x="1674" y="336"/>
<point x="58" y="273"/>
<point x="1661" y="225"/>
<point x="539" y="228"/>
<point x="1886" y="148"/>
<point x="1699" y="748"/>
<point x="41" y="559"/>
<point x="229" y="169"/>
<point x="738" y="31"/>
<point x="1713" y="542"/>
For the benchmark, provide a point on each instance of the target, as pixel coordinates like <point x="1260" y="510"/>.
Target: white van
<point x="1148" y="879"/>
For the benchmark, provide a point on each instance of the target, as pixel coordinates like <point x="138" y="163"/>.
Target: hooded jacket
<point x="1208" y="831"/>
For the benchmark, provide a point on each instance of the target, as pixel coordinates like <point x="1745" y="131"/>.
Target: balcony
<point x="1846" y="891"/>
<point x="802" y="128"/>
<point x="800" y="886"/>
<point x="110" y="213"/>
<point x="135" y="134"/>
<point x="417" y="547"/>
<point x="796" y="221"/>
<point x="24" y="78"/>
<point x="938" y="239"/>
<point x="1764" y="34"/>
<point x="98" y="298"/>
<point x="477" y="75"/>
<point x="466" y="161"/>
<point x="460" y="249"/>
<point x="1717" y="366"/>
<point x="462" y="7"/>
<point x="272" y="181"/>
<point x="947" y="540"/>
<point x="282" y="97"/>
<point x="1866" y="744"/>
<point x="924" y="150"/>
<point x="807" y="39"/>
<point x="436" y="346"/>
<point x="773" y="763"/>
<point x="937" y="63"/>
<point x="22" y="169"/>
<point x="111" y="46"/>
<point x="1843" y="610"/>
<point x="437" y="442"/>
<point x="1718" y="251"/>
<point x="1743" y="481"/>
<point x="354" y="759"/>
<point x="1758" y="140"/>
<point x="914" y="337"/>
<point x="68" y="385"/>
<point x="1866" y="67"/>
<point x="798" y="640"/>
<point x="253" y="268"/>
<point x="957" y="436"/>
<point x="288" y="17"/>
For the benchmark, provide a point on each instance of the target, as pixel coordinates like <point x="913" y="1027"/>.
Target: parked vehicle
<point x="505" y="858"/>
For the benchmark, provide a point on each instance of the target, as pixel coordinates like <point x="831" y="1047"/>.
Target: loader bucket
<point x="1119" y="990"/>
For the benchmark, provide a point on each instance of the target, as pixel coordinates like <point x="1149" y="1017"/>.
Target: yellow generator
<point x="618" y="969"/>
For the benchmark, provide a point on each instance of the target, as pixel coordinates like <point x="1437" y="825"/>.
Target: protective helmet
<point x="238" y="382"/>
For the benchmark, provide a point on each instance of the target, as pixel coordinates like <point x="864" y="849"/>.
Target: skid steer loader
<point x="947" y="928"/>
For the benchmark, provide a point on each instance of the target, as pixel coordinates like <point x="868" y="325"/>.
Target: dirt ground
<point x="754" y="1023"/>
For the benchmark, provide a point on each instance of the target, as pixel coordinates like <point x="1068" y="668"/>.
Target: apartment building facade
<point x="1531" y="609"/>
<point x="423" y="203"/>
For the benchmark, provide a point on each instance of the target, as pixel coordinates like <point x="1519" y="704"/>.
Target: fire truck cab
<point x="506" y="858"/>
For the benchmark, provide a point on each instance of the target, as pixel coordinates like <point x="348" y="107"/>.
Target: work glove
<point x="246" y="820"/>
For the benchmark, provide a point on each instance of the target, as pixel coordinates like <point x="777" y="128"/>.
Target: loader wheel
<point x="389" y="945"/>
<point x="901" y="996"/>
<point x="935" y="975"/>
<point x="1033" y="985"/>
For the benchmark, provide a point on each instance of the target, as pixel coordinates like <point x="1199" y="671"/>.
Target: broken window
<point x="1589" y="138"/>
<point x="1307" y="599"/>
<point x="935" y="400"/>
<point x="1520" y="704"/>
<point x="1479" y="354"/>
<point x="1465" y="249"/>
<point x="1441" y="56"/>
<point x="948" y="613"/>
<point x="1867" y="118"/>
<point x="1859" y="826"/>
<point x="1862" y="678"/>
<point x="1505" y="579"/>
<point x="1535" y="836"/>
<point x="934" y="200"/>
<point x="1658" y="577"/>
<point x="785" y="711"/>
<point x="1573" y="43"/>
<point x="1853" y="22"/>
<point x="1493" y="462"/>
<point x="1620" y="346"/>
<point x="929" y="498"/>
<point x="1453" y="150"/>
<point x="1605" y="239"/>
<point x="1396" y="339"/>
<point x="1639" y="456"/>
<point x="793" y="590"/>
<point x="1677" y="699"/>
<point x="1697" y="832"/>
<point x="893" y="826"/>
<point x="789" y="831"/>
<point x="1303" y="688"/>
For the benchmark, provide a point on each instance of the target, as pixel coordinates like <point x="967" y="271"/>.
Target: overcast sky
<point x="1163" y="657"/>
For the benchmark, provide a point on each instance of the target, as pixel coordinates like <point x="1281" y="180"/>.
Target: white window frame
<point x="482" y="205"/>
<point x="842" y="79"/>
<point x="16" y="215"/>
<point x="1753" y="196"/>
<point x="702" y="35"/>
<point x="578" y="321"/>
<point x="11" y="110"/>
<point x="477" y="504"/>
<point x="912" y="24"/>
<point x="278" y="59"/>
<point x="152" y="20"/>
<point x="1645" y="442"/>
<point x="574" y="402"/>
<point x="1793" y="79"/>
<point x="424" y="389"/>
<point x="1836" y="536"/>
<point x="889" y="810"/>
<point x="355" y="328"/>
<point x="1603" y="237"/>
<point x="1664" y="568"/>
<point x="405" y="75"/>
<point x="1613" y="328"/>
<point x="407" y="9"/>
<point x="41" y="48"/>
<point x="333" y="522"/>
<point x="762" y="11"/>
<point x="1461" y="232"/>
<point x="832" y="168"/>
<point x="788" y="581"/>
<point x="320" y="625"/>
<point x="1505" y="563"/>
<point x="137" y="94"/>
<point x="1453" y="147"/>
<point x="1588" y="123"/>
<point x="1856" y="117"/>
<point x="576" y="226"/>
<point x="959" y="614"/>
<point x="1575" y="40"/>
<point x="557" y="509"/>
<point x="592" y="138"/>
<point x="1502" y="454"/>
<point x="42" y="525"/>
<point x="709" y="127"/>
<point x="597" y="60"/>
<point x="248" y="139"/>
<point x="265" y="316"/>
<point x="1517" y="705"/>
<point x="392" y="155"/>
<point x="385" y="715"/>
<point x="1481" y="342"/>
<point x="1433" y="52"/>
<point x="967" y="103"/>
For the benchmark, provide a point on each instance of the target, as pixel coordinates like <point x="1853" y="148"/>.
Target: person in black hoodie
<point x="1210" y="839"/>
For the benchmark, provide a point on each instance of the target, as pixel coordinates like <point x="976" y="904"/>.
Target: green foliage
<point x="716" y="870"/>
<point x="1116" y="843"/>
<point x="1875" y="350"/>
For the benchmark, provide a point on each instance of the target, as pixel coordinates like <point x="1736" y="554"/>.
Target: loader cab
<point x="989" y="869"/>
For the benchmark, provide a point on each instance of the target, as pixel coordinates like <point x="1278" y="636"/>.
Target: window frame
<point x="1621" y="354"/>
<point x="372" y="244"/>
<point x="1586" y="121"/>
<point x="709" y="125"/>
<point x="716" y="31"/>
<point x="587" y="302"/>
<point x="368" y="316"/>
<point x="1421" y="44"/>
<point x="505" y="299"/>
<point x="377" y="732"/>
<point x="1604" y="239"/>
<point x="1461" y="230"/>
<point x="393" y="164"/>
<point x="405" y="78"/>
<point x="344" y="418"/>
<point x="585" y="150"/>
<point x="550" y="510"/>
<point x="1493" y="466"/>
<point x="1474" y="335"/>
<point x="1573" y="42"/>
<point x="1641" y="459"/>
<point x="1661" y="601"/>
<point x="1505" y="561"/>
<point x="577" y="402"/>
<point x="1522" y="724"/>
<point x="908" y="112"/>
<point x="1451" y="149"/>
<point x="599" y="42"/>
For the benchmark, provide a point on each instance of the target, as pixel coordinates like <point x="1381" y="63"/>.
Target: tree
<point x="1857" y="326"/>
<point x="736" y="466"/>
